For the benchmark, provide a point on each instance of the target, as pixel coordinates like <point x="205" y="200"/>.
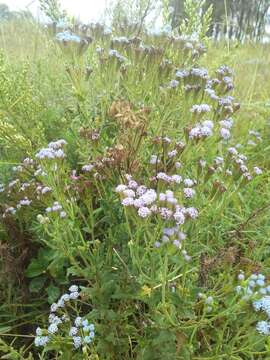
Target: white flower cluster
<point x="10" y="210"/>
<point x="255" y="289"/>
<point x="208" y="301"/>
<point x="154" y="160"/>
<point x="67" y="36"/>
<point x="82" y="332"/>
<point x="121" y="40"/>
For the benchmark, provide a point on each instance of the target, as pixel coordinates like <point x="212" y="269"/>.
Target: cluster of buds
<point x="97" y="30"/>
<point x="191" y="48"/>
<point x="90" y="134"/>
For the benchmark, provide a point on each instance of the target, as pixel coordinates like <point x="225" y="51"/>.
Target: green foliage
<point x="52" y="9"/>
<point x="196" y="20"/>
<point x="147" y="301"/>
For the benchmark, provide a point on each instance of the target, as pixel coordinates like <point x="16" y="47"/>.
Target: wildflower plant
<point x="141" y="190"/>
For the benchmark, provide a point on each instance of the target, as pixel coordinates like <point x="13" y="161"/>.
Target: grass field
<point x="134" y="197"/>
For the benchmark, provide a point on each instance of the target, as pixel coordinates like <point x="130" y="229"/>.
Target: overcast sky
<point x="86" y="10"/>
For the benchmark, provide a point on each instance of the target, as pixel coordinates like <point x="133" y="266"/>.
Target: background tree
<point x="5" y="13"/>
<point x="235" y="19"/>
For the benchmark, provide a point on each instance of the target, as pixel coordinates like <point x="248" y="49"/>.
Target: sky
<point x="86" y="10"/>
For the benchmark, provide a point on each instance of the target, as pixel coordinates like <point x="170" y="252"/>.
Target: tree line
<point x="6" y="14"/>
<point x="235" y="19"/>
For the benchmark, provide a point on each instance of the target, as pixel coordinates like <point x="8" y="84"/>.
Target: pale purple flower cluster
<point x="53" y="151"/>
<point x="163" y="205"/>
<point x="257" y="170"/>
<point x="173" y="84"/>
<point x="56" y="208"/>
<point x="82" y="332"/>
<point x="47" y="153"/>
<point x="87" y="167"/>
<point x="256" y="136"/>
<point x="24" y="202"/>
<point x="224" y="70"/>
<point x="225" y="128"/>
<point x="172" y="236"/>
<point x="170" y="179"/>
<point x="42" y="190"/>
<point x="13" y="183"/>
<point x="203" y="130"/>
<point x="240" y="163"/>
<point x="208" y="301"/>
<point x="226" y="103"/>
<point x="58" y="144"/>
<point x="181" y="74"/>
<point x="115" y="54"/>
<point x="211" y="93"/>
<point x="225" y="134"/>
<point x="199" y="73"/>
<point x="200" y="109"/>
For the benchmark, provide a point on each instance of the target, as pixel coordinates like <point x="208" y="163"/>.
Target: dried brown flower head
<point x="122" y="111"/>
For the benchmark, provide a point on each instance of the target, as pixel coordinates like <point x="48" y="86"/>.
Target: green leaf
<point x="37" y="284"/>
<point x="5" y="329"/>
<point x="57" y="268"/>
<point x="35" y="268"/>
<point x="40" y="264"/>
<point x="53" y="293"/>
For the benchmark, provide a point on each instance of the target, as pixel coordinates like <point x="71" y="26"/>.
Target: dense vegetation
<point x="134" y="194"/>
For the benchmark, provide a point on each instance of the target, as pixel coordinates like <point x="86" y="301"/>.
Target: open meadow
<point x="134" y="195"/>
